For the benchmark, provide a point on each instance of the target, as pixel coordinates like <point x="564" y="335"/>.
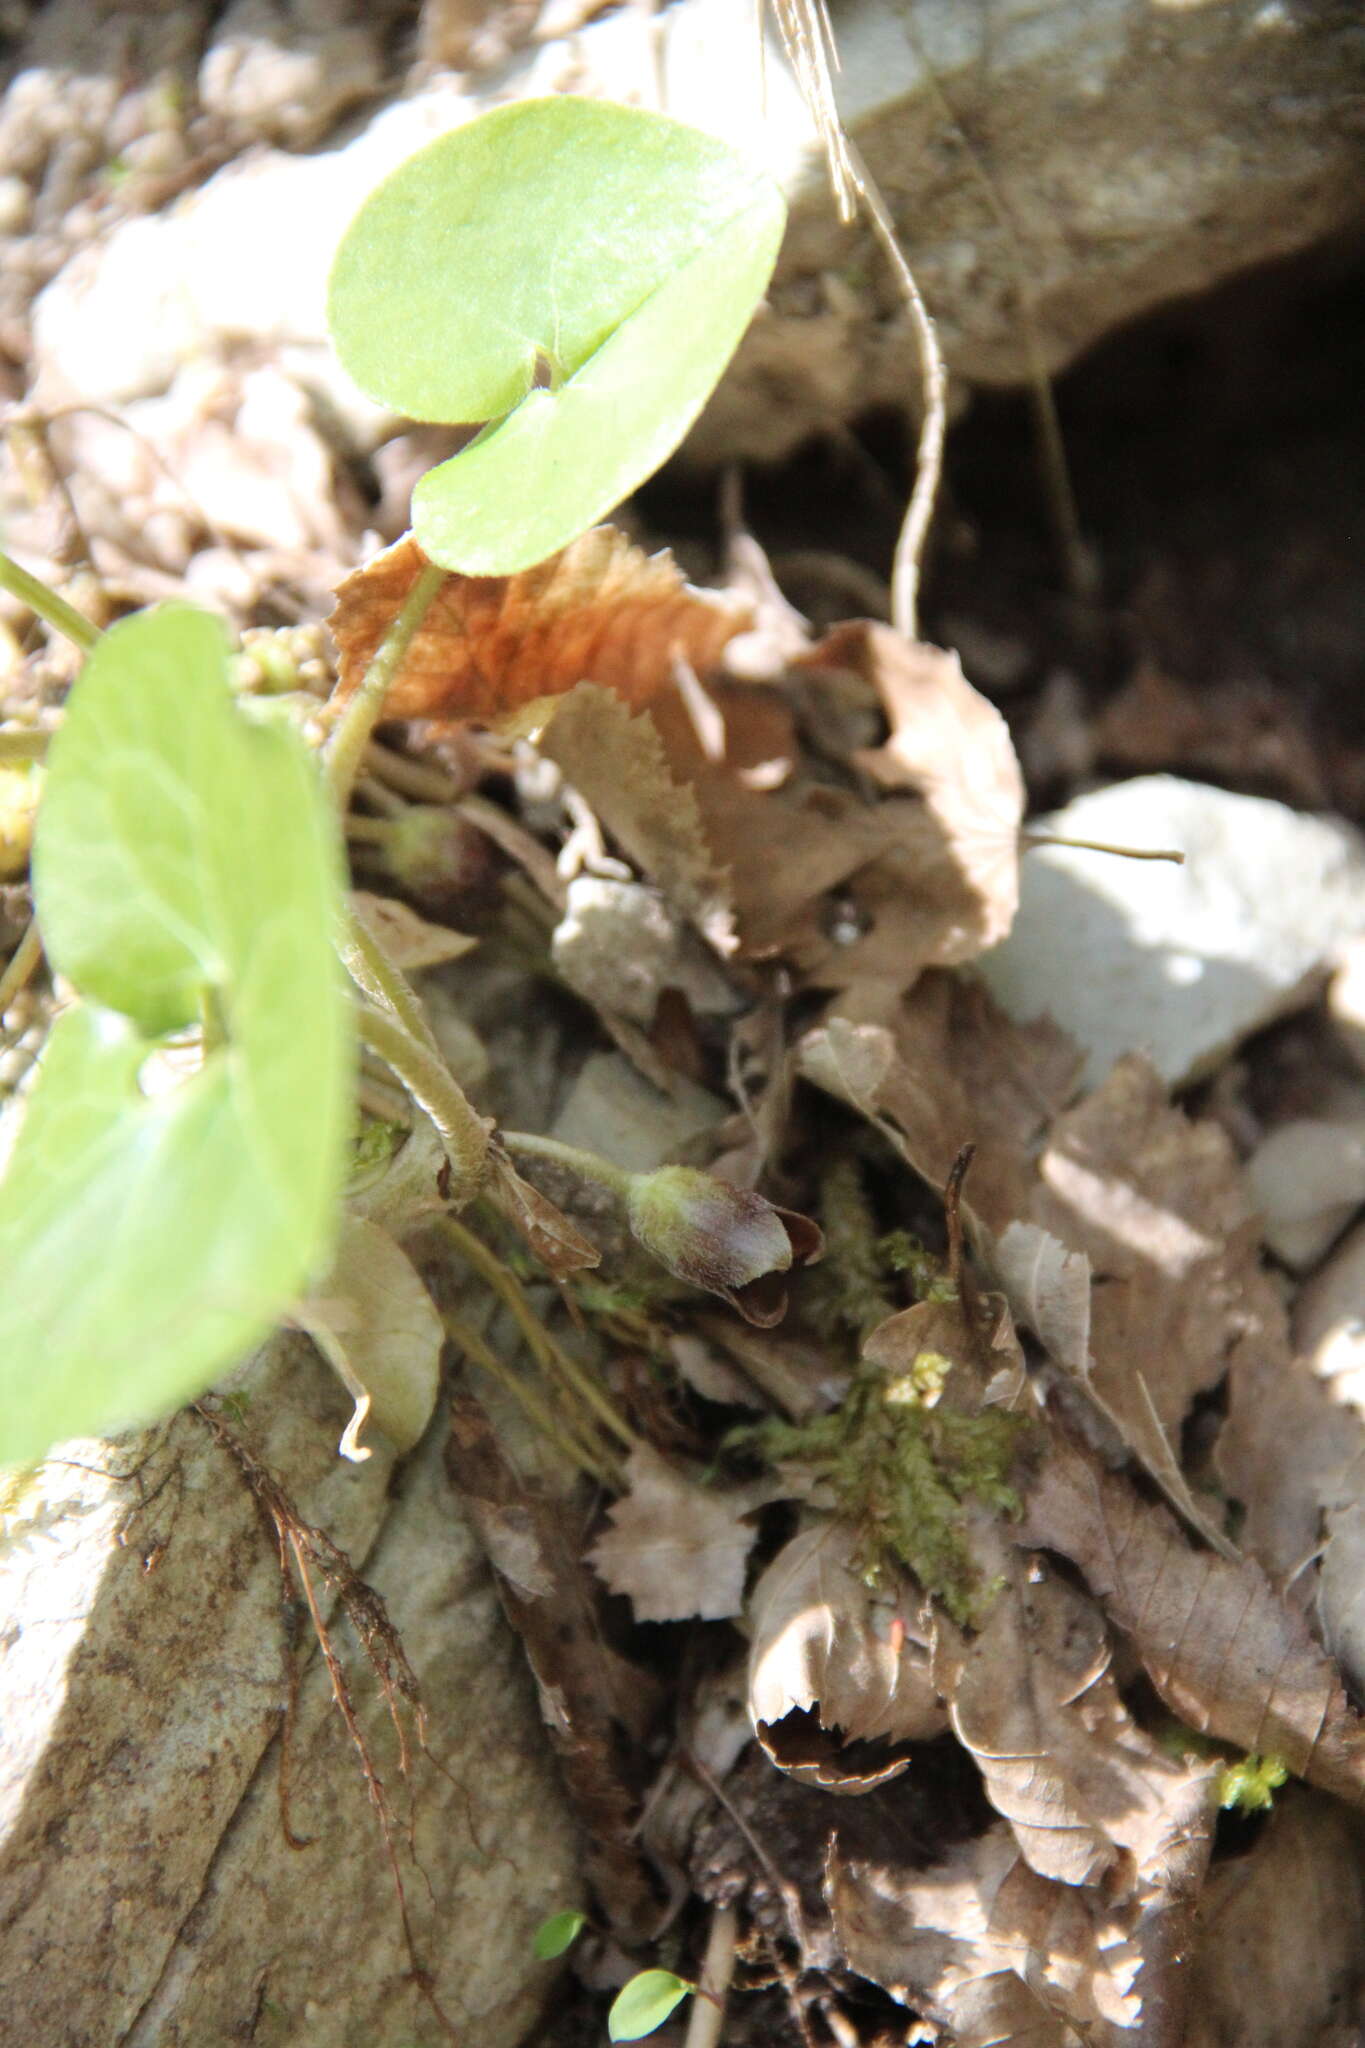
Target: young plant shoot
<point x="573" y="277"/>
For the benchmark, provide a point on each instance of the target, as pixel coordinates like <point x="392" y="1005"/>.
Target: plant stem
<point x="549" y="1356"/>
<point x="905" y="572"/>
<point x="45" y="602"/>
<point x="598" y="1464"/>
<point x="718" y="1967"/>
<point x="346" y="748"/>
<point x="368" y="831"/>
<point x="370" y="968"/>
<point x="418" y="779"/>
<point x="21" y="964"/>
<point x="1031" y="839"/>
<point x="586" y="1164"/>
<point x="433" y="1087"/>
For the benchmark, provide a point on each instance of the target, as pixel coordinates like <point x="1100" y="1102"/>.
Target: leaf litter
<point x="907" y="1545"/>
<point x="926" y="1500"/>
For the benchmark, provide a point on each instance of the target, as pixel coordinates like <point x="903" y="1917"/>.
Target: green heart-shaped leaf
<point x="186" y="864"/>
<point x="644" y="2003"/>
<point x="609" y="255"/>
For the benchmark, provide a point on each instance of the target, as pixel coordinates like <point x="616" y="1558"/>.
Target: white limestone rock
<point x="148" y="1894"/>
<point x="1181" y="963"/>
<point x="1145" y="152"/>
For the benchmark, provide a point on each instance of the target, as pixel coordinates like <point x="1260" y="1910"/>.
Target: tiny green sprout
<point x="573" y="276"/>
<point x="557" y="1934"/>
<point x="644" y="2003"/>
<point x="1250" y="1784"/>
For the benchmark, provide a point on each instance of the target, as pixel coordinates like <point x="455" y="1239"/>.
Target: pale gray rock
<point x="620" y="946"/>
<point x="1131" y="153"/>
<point x="1307" y="1180"/>
<point x="147" y="1892"/>
<point x="285" y="73"/>
<point x="1329" y="1320"/>
<point x="1181" y="963"/>
<point x="613" y="1110"/>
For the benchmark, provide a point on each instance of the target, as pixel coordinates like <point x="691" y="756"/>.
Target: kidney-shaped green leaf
<point x="186" y="863"/>
<point x="609" y="256"/>
<point x="644" y="2003"/>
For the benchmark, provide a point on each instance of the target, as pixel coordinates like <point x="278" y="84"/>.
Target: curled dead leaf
<point x="833" y="1667"/>
<point x="616" y="761"/>
<point x="558" y="1243"/>
<point x="943" y="1068"/>
<point x="1084" y="1790"/>
<point x="380" y="1331"/>
<point x="999" y="1954"/>
<point x="949" y="746"/>
<point x="600" y="611"/>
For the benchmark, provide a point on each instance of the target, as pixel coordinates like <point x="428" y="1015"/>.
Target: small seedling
<point x="1249" y="1785"/>
<point x="644" y="2003"/>
<point x="555" y="1936"/>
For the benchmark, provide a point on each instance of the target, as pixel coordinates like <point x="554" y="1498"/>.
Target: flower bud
<point x="439" y="858"/>
<point x="726" y="1239"/>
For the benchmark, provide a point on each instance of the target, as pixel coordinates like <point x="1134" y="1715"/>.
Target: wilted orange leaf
<point x="601" y="611"/>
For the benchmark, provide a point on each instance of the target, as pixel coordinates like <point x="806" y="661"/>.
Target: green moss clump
<point x="1251" y="1783"/>
<point x="901" y="1464"/>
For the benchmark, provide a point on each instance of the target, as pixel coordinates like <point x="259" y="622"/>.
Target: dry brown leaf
<point x="410" y="941"/>
<point x="1049" y="1289"/>
<point x="379" y="1330"/>
<point x="851" y="892"/>
<point x="798" y="1377"/>
<point x="950" y="746"/>
<point x="1293" y="1451"/>
<point x="1032" y="1698"/>
<point x="677" y="1548"/>
<point x="1158" y="1204"/>
<point x="1280" y="1940"/>
<point x="823" y="1645"/>
<point x="784" y="848"/>
<point x="1286" y="1452"/>
<point x="1001" y="1955"/>
<point x="946" y="1068"/>
<point x="1341" y="1582"/>
<point x="600" y="611"/>
<point x="1223" y="1650"/>
<point x="547" y="1232"/>
<point x="616" y="761"/>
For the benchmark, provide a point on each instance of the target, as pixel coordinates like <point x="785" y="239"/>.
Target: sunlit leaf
<point x="645" y="2003"/>
<point x="574" y="273"/>
<point x="558" y="1933"/>
<point x="186" y="865"/>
